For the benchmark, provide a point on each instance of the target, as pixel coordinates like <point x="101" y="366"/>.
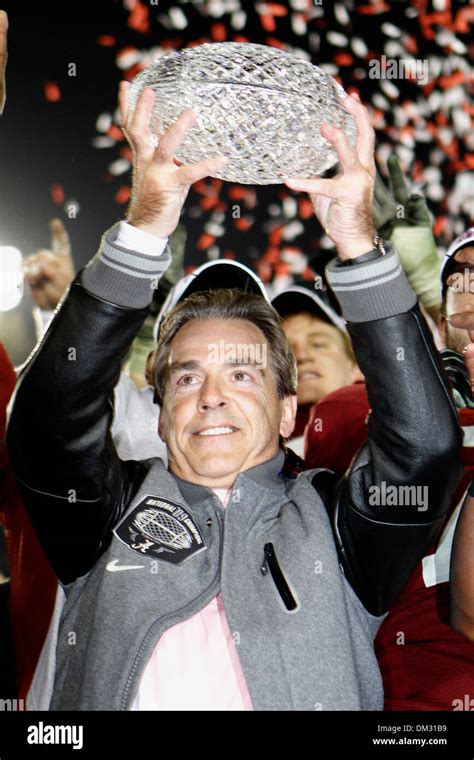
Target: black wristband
<point x="370" y="256"/>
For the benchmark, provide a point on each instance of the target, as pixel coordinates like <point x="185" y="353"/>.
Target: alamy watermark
<point x="399" y="68"/>
<point x="399" y="496"/>
<point x="238" y="353"/>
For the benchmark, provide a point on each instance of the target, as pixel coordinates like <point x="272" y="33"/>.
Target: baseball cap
<point x="298" y="298"/>
<point x="449" y="264"/>
<point x="214" y="275"/>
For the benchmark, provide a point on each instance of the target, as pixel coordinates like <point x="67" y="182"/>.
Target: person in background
<point x="458" y="323"/>
<point x="425" y="663"/>
<point x="401" y="215"/>
<point x="323" y="351"/>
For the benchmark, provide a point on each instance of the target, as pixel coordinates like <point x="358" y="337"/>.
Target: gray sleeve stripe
<point x="368" y="283"/>
<point x="135" y="261"/>
<point x="133" y="271"/>
<point x="363" y="271"/>
<point x="155" y="267"/>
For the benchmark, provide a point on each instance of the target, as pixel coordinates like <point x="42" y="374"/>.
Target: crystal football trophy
<point x="259" y="106"/>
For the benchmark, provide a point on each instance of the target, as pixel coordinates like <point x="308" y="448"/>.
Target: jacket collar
<point x="264" y="475"/>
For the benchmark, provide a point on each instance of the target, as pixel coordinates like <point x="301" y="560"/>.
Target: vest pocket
<point x="270" y="562"/>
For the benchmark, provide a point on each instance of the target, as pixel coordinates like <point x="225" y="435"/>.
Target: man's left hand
<point x="343" y="204"/>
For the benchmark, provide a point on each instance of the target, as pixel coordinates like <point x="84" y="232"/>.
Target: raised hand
<point x="160" y="183"/>
<point x="3" y="58"/>
<point x="398" y="207"/>
<point x="49" y="272"/>
<point x="343" y="204"/>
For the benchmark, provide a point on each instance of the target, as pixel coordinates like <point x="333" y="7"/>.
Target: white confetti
<point x="274" y="209"/>
<point x="336" y="38"/>
<point x="104" y="122"/>
<point x="299" y="5"/>
<point x="462" y="121"/>
<point x="127" y="58"/>
<point x="238" y="20"/>
<point x="178" y="19"/>
<point x="390" y="30"/>
<point x="389" y="88"/>
<point x="103" y="142"/>
<point x="380" y="102"/>
<point x="422" y="135"/>
<point x="213" y="252"/>
<point x="214" y="229"/>
<point x="298" y="24"/>
<point x="341" y="13"/>
<point x="120" y="166"/>
<point x="439" y="5"/>
<point x="435" y="192"/>
<point x="290" y="207"/>
<point x="292" y="230"/>
<point x="359" y="47"/>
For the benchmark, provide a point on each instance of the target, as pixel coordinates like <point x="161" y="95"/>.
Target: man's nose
<point x="301" y="353"/>
<point x="212" y="395"/>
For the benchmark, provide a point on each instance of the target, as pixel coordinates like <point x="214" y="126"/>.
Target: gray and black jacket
<point x="306" y="567"/>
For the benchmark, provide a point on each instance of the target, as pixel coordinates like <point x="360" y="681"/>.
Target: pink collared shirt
<point x="195" y="665"/>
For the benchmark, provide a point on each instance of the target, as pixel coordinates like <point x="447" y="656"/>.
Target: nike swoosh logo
<point x="114" y="567"/>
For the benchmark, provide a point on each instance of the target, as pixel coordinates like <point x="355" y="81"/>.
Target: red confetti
<point x="218" y="32"/>
<point x="276" y="10"/>
<point x="123" y="194"/>
<point x="305" y="208"/>
<point x="139" y="18"/>
<point x="115" y="133"/>
<point x="205" y="241"/>
<point x="106" y="40"/>
<point x="268" y="22"/>
<point x="243" y="223"/>
<point x="273" y="42"/>
<point x="57" y="194"/>
<point x="343" y="59"/>
<point x="52" y="92"/>
<point x="376" y="8"/>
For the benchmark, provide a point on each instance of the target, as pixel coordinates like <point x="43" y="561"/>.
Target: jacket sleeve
<point x="72" y="482"/>
<point x="390" y="505"/>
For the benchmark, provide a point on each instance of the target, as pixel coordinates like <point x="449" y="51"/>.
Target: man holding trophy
<point x="218" y="583"/>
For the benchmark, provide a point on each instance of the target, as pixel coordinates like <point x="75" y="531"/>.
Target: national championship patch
<point x="161" y="529"/>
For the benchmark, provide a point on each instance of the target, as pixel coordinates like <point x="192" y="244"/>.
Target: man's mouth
<point x="223" y="430"/>
<point x="308" y="374"/>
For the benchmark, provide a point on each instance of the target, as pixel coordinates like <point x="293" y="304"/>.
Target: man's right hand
<point x="3" y="58"/>
<point x="160" y="183"/>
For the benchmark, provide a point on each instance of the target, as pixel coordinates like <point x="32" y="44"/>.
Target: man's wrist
<point x="136" y="239"/>
<point x="356" y="248"/>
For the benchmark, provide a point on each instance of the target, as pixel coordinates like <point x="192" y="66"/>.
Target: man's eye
<point x="319" y="345"/>
<point x="240" y="376"/>
<point x="187" y="380"/>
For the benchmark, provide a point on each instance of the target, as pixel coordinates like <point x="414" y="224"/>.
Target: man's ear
<point x="161" y="425"/>
<point x="287" y="423"/>
<point x="149" y="368"/>
<point x="442" y="327"/>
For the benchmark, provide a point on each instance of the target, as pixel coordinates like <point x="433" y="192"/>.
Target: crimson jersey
<point x="425" y="664"/>
<point x="33" y="584"/>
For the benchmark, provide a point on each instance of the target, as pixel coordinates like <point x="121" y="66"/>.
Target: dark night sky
<point x="42" y="143"/>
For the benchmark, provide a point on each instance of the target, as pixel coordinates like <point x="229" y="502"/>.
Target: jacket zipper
<point x="270" y="562"/>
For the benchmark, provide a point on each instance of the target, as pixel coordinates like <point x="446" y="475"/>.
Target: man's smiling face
<point x="220" y="417"/>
